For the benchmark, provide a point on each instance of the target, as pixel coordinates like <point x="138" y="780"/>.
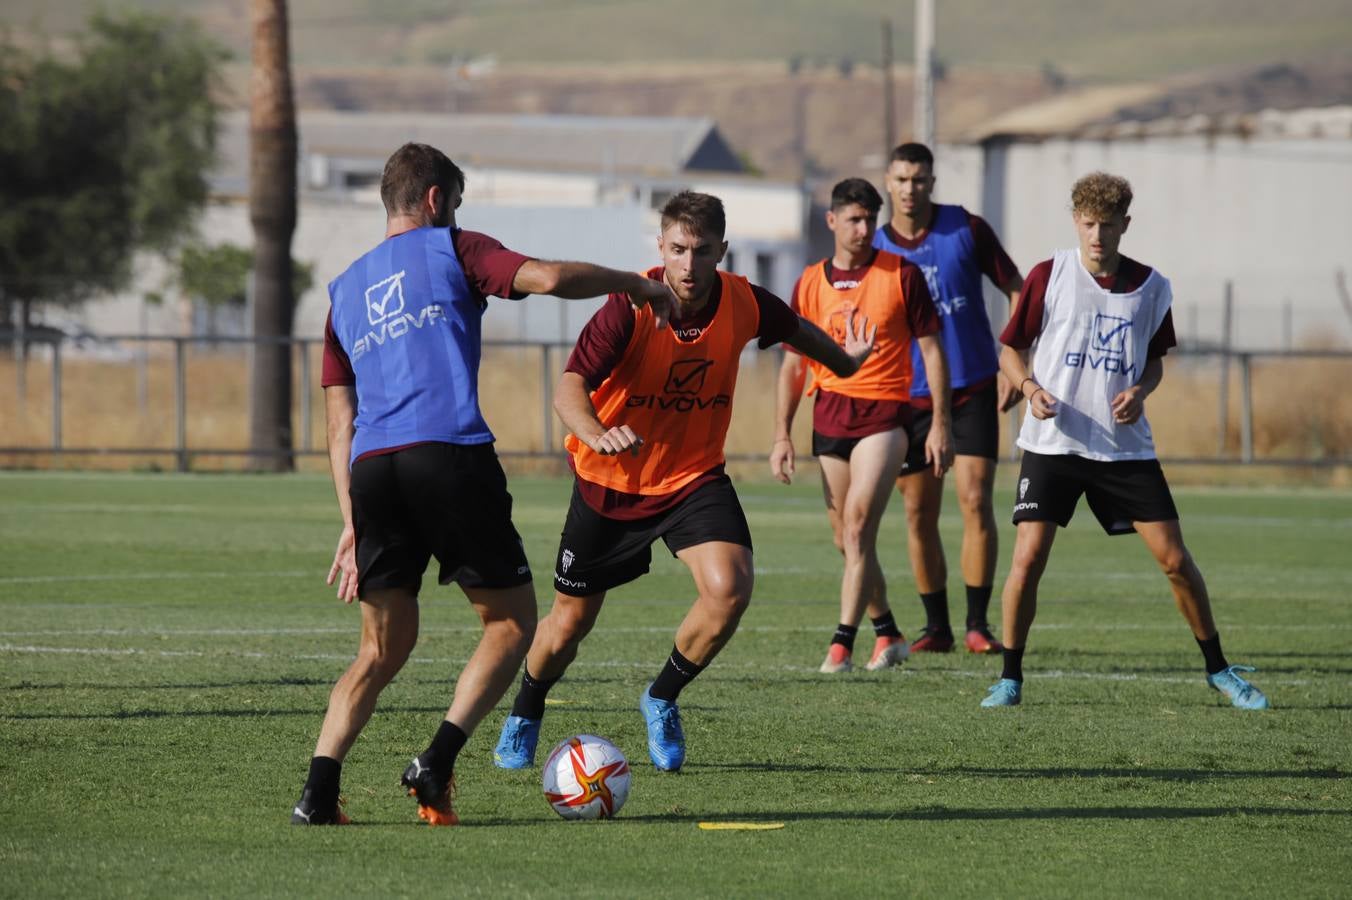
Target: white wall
<point x="1272" y="215"/>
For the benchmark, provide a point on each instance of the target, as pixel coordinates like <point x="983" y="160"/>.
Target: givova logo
<point x="385" y="298"/>
<point x="389" y="321"/>
<point x="1107" y="347"/>
<point x="681" y="392"/>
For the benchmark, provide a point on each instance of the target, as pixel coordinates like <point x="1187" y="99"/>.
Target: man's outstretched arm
<point x="579" y="280"/>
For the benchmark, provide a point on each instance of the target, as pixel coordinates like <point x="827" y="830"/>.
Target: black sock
<point x="978" y="602"/>
<point x="844" y="636"/>
<point x="885" y="625"/>
<point x="1211" y="651"/>
<point x="445" y="747"/>
<point x="936" y="611"/>
<point x="530" y="699"/>
<point x="675" y="675"/>
<point x="323" y="777"/>
<point x="1013" y="664"/>
<point x="322" y="781"/>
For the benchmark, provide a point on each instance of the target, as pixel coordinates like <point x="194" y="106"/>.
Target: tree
<point x="272" y="210"/>
<point x="101" y="155"/>
<point x="219" y="276"/>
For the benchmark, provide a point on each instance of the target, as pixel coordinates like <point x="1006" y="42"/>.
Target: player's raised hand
<point x="655" y="295"/>
<point x="344" y="568"/>
<point x="859" y="335"/>
<point x="782" y="460"/>
<point x="614" y="441"/>
<point x="1042" y="404"/>
<point x="1128" y="406"/>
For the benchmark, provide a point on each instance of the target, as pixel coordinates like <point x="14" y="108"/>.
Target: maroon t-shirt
<point x="839" y="416"/>
<point x="1026" y="323"/>
<point x="599" y="349"/>
<point x="994" y="263"/>
<point x="490" y="269"/>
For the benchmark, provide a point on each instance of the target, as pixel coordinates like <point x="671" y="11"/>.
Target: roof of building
<point x="637" y="145"/>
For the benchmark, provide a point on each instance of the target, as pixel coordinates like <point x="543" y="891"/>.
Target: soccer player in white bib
<point x="1086" y="347"/>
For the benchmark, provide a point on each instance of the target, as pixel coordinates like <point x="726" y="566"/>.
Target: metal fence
<point x="44" y="407"/>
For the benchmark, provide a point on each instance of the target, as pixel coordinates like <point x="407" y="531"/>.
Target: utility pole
<point x="889" y="99"/>
<point x="924" y="72"/>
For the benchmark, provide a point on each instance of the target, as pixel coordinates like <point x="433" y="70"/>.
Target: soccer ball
<point x="586" y="777"/>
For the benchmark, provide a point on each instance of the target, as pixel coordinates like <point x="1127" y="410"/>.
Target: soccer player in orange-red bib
<point x="648" y="403"/>
<point x="859" y="425"/>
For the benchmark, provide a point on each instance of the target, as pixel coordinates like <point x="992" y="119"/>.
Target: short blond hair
<point x="1101" y="194"/>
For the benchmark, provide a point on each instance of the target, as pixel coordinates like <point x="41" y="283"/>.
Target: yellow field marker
<point x="740" y="826"/>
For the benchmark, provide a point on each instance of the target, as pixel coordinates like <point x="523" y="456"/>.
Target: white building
<point x="556" y="187"/>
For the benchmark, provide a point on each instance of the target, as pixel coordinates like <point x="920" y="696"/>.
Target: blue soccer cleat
<point x="516" y="746"/>
<point x="1239" y="692"/>
<point x="1005" y="692"/>
<point x="666" y="740"/>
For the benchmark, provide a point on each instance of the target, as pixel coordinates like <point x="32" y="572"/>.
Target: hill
<point x="1136" y="41"/>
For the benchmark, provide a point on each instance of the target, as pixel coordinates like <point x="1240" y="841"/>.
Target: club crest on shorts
<point x="1023" y="487"/>
<point x="565" y="560"/>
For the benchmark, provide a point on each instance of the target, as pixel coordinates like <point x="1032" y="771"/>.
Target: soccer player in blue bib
<point x="413" y="462"/>
<point x="1086" y="346"/>
<point x="955" y="249"/>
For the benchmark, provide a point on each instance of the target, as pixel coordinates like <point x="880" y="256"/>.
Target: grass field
<point x="167" y="647"/>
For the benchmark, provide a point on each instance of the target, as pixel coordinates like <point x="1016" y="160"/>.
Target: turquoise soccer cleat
<point x="1005" y="692"/>
<point x="666" y="740"/>
<point x="1239" y="692"/>
<point x="516" y="745"/>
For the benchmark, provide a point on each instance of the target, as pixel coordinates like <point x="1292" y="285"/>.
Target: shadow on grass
<point x="944" y="813"/>
<point x="171" y="686"/>
<point x="1034" y="772"/>
<point x="923" y="814"/>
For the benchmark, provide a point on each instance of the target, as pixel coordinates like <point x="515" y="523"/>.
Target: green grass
<point x="167" y="649"/>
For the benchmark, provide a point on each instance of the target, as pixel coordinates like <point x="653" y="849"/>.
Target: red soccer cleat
<point x="932" y="640"/>
<point x="837" y="660"/>
<point x="980" y="640"/>
<point x="888" y="652"/>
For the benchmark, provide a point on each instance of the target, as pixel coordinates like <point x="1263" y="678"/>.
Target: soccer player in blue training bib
<point x="955" y="249"/>
<point x="1086" y="347"/>
<point x="413" y="462"/>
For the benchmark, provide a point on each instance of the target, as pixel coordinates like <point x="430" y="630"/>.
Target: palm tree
<point x="272" y="210"/>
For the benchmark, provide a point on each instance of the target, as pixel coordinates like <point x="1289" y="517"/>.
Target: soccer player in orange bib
<point x="859" y="425"/>
<point x="648" y="405"/>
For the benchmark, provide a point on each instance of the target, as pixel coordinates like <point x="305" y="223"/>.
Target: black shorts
<point x="597" y="553"/>
<point x="444" y="500"/>
<point x="976" y="430"/>
<point x="825" y="445"/>
<point x="1119" y="492"/>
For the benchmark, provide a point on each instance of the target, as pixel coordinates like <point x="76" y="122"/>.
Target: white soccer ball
<point x="586" y="777"/>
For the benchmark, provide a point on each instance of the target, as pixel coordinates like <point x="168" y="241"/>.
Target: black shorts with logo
<point x="976" y="430"/>
<point x="597" y="553"/>
<point x="444" y="500"/>
<point x="1119" y="492"/>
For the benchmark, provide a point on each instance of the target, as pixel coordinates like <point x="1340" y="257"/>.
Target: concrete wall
<point x="1271" y="215"/>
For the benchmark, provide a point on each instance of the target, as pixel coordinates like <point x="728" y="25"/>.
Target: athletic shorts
<point x="1119" y="492"/>
<point x="840" y="447"/>
<point x="976" y="430"/>
<point x="444" y="500"/>
<point x="597" y="553"/>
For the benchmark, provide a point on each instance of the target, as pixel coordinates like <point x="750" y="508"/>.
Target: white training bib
<point x="1092" y="347"/>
